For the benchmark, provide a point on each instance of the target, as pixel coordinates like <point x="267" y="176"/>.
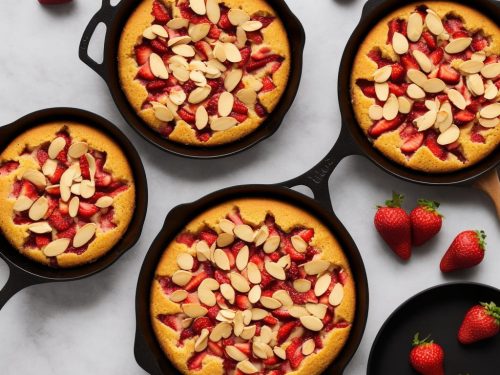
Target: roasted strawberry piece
<point x="477" y="137"/>
<point x="245" y="56"/>
<point x="270" y="321"/>
<point x="195" y="362"/>
<point x="294" y="354"/>
<point x="430" y="40"/>
<point x="29" y="190"/>
<point x="267" y="84"/>
<point x="160" y="13"/>
<point x="214" y="32"/>
<point x="463" y="118"/>
<point x="201" y="323"/>
<point x="142" y="53"/>
<point x="413" y="143"/>
<point x="87" y="210"/>
<point x="186" y="238"/>
<point x="376" y="56"/>
<point x="421" y="46"/>
<point x="260" y="110"/>
<point x="216" y="348"/>
<point x="367" y="87"/>
<point x="42" y="156"/>
<point x="264" y="20"/>
<point x="209" y="236"/>
<point x="479" y="42"/>
<point x="186" y="116"/>
<point x="8" y="167"/>
<point x="398" y="90"/>
<point x="437" y="56"/>
<point x="145" y="72"/>
<point x="203" y="49"/>
<point x="409" y="62"/>
<point x="448" y="74"/>
<point x="453" y="24"/>
<point x="384" y="126"/>
<point x="436" y="149"/>
<point x="285" y="330"/>
<point x="68" y="233"/>
<point x="255" y="37"/>
<point x="59" y="221"/>
<point x="195" y="282"/>
<point x="398" y="73"/>
<point x="242" y="302"/>
<point x="224" y="22"/>
<point x="42" y="240"/>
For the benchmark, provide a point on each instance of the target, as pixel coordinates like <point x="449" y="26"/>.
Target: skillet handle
<point x="104" y="15"/>
<point x="490" y="184"/>
<point x="17" y="281"/>
<point x="369" y="5"/>
<point x="317" y="177"/>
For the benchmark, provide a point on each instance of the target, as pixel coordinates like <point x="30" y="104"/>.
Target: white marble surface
<point x="87" y="327"/>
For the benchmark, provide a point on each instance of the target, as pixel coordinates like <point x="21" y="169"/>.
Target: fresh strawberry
<point x="214" y="32"/>
<point x="383" y="126"/>
<point x="430" y="40"/>
<point x="42" y="240"/>
<point x="466" y="251"/>
<point x="28" y="190"/>
<point x="208" y="236"/>
<point x="270" y="320"/>
<point x="285" y="331"/>
<point x="242" y="302"/>
<point x="224" y="22"/>
<point x="245" y="56"/>
<point x="186" y="238"/>
<point x="145" y="72"/>
<point x="463" y="117"/>
<point x="203" y="49"/>
<point x="87" y="209"/>
<point x="413" y="143"/>
<point x="186" y="116"/>
<point x="426" y="221"/>
<point x="267" y="84"/>
<point x="221" y="278"/>
<point x="437" y="56"/>
<point x="409" y="62"/>
<point x="215" y="348"/>
<point x="200" y="323"/>
<point x="142" y="53"/>
<point x="448" y="74"/>
<point x="294" y="353"/>
<point x="54" y="190"/>
<point x="60" y="222"/>
<point x="306" y="234"/>
<point x="160" y="13"/>
<point x="261" y="111"/>
<point x="195" y="362"/>
<point x="427" y="357"/>
<point x="367" y="87"/>
<point x="68" y="233"/>
<point x="244" y="347"/>
<point x="436" y="148"/>
<point x="398" y="73"/>
<point x="157" y="84"/>
<point x="393" y="224"/>
<point x="195" y="282"/>
<point x="481" y="322"/>
<point x="479" y="42"/>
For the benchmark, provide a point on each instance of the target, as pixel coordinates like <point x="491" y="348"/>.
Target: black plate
<point x="438" y="311"/>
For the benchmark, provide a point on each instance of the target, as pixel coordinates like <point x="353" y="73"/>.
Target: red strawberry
<point x="463" y="117"/>
<point x="59" y="221"/>
<point x="145" y="72"/>
<point x="479" y="42"/>
<point x="245" y="56"/>
<point x="306" y="234"/>
<point x="448" y="74"/>
<point x="142" y="54"/>
<point x="156" y="85"/>
<point x="208" y="236"/>
<point x="384" y="125"/>
<point x="239" y="107"/>
<point x="54" y="179"/>
<point x="426" y="221"/>
<point x="42" y="156"/>
<point x="160" y="13"/>
<point x="195" y="362"/>
<point x="398" y="73"/>
<point x="481" y="322"/>
<point x="466" y="250"/>
<point x="42" y="240"/>
<point x="393" y="224"/>
<point x="224" y="22"/>
<point x="477" y="138"/>
<point x="186" y="116"/>
<point x="54" y="190"/>
<point x="264" y="20"/>
<point x="28" y="190"/>
<point x="285" y="331"/>
<point x="437" y="56"/>
<point x="214" y="32"/>
<point x="186" y="238"/>
<point x="294" y="353"/>
<point x="430" y="40"/>
<point x="261" y="111"/>
<point x="159" y="46"/>
<point x="242" y="302"/>
<point x="255" y="37"/>
<point x="195" y="282"/>
<point x="200" y="323"/>
<point x="267" y="84"/>
<point x="427" y="357"/>
<point x="87" y="209"/>
<point x="203" y="49"/>
<point x="68" y="233"/>
<point x="367" y="87"/>
<point x="244" y="348"/>
<point x="221" y="278"/>
<point x="409" y="62"/>
<point x="216" y="348"/>
<point x="436" y="148"/>
<point x="413" y="143"/>
<point x="270" y="320"/>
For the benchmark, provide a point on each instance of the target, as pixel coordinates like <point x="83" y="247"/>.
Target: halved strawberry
<point x="409" y="62"/>
<point x="271" y="361"/>
<point x="479" y="42"/>
<point x="195" y="282"/>
<point x="245" y="56"/>
<point x="29" y="190"/>
<point x="282" y="314"/>
<point x="285" y="330"/>
<point x="186" y="116"/>
<point x="200" y="323"/>
<point x="413" y="143"/>
<point x="430" y="40"/>
<point x="42" y="156"/>
<point x="255" y="37"/>
<point x="215" y="348"/>
<point x="214" y="32"/>
<point x="294" y="354"/>
<point x="145" y="72"/>
<point x="376" y="56"/>
<point x="242" y="302"/>
<point x="142" y="53"/>
<point x="421" y="46"/>
<point x="270" y="320"/>
<point x="463" y="117"/>
<point x="157" y="84"/>
<point x="224" y="22"/>
<point x="367" y="87"/>
<point x="160" y="13"/>
<point x="398" y="73"/>
<point x="448" y="74"/>
<point x="203" y="49"/>
<point x="436" y="149"/>
<point x="267" y="84"/>
<point x="68" y="233"/>
<point x="453" y="24"/>
<point x="384" y="126"/>
<point x="42" y="240"/>
<point x="209" y="236"/>
<point x="287" y="246"/>
<point x="264" y="20"/>
<point x="221" y="277"/>
<point x="186" y="238"/>
<point x="260" y="110"/>
<point x="437" y="56"/>
<point x="59" y="221"/>
<point x="195" y="362"/>
<point x="244" y="347"/>
<point x="213" y="312"/>
<point x="187" y="333"/>
<point x="87" y="209"/>
<point x="398" y="90"/>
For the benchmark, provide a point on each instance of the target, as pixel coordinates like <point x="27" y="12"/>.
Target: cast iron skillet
<point x="352" y="140"/>
<point x="25" y="272"/>
<point x="115" y="17"/>
<point x="438" y="311"/>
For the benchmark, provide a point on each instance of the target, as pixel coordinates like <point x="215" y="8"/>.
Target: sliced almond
<point x="199" y="94"/>
<point x="221" y="260"/>
<point x="232" y="79"/>
<point x="415" y="27"/>
<point x="283" y="297"/>
<point x="223" y="123"/>
<point x="73" y="206"/>
<point x="194" y="310"/>
<point x="299" y="244"/>
<point x="220" y="52"/>
<point x="490" y="91"/>
<point x="434" y="85"/>
<point x="178" y="295"/>
<point x="226" y="225"/>
<point x="177" y="96"/>
<point x="235" y="353"/>
<point x="298" y="311"/>
<point x="272" y="243"/>
<point x="251" y="26"/>
<point x="225" y="104"/>
<point x="434" y="23"/>
<point x="423" y="61"/>
<point x="221" y="330"/>
<point x="87" y="188"/>
<point x="258" y="349"/>
<point x="239" y="283"/>
<point x="238" y="16"/>
<point x="302" y="285"/>
<point x="375" y="112"/>
<point x="177" y="23"/>
<point x="181" y="277"/>
<point x="244" y="232"/>
<point x="322" y="284"/>
<point x="417" y="77"/>
<point x="232" y="52"/>
<point x="157" y="66"/>
<point x="177" y="41"/>
<point x="209" y="283"/>
<point x="426" y="121"/>
<point x="65" y="192"/>
<point x="184" y="50"/>
<point x="458" y="45"/>
<point x="254" y="294"/>
<point x="284" y="261"/>
<point x="479" y="56"/>
<point x="382" y="91"/>
<point x="163" y="113"/>
<point x="199" y="31"/>
<point x="247" y="367"/>
<point x="186" y="322"/>
<point x="213" y="11"/>
<point x="202" y="341"/>
<point x="475" y="84"/>
<point x="49" y="167"/>
<point x="84" y="234"/>
<point x="104" y="202"/>
<point x="92" y="165"/>
<point x="254" y="274"/>
<point x="311" y="323"/>
<point x="225" y="239"/>
<point x="383" y="74"/>
<point x="400" y="43"/>
<point x="404" y="105"/>
<point x="317" y="309"/>
<point x="185" y="261"/>
<point x="56" y="146"/>
<point x="40" y="227"/>
<point x="56" y="247"/>
<point x="489" y="123"/>
<point x="490" y="111"/>
<point x="280" y="352"/>
<point x="159" y="30"/>
<point x="198" y="6"/>
<point x="270" y="303"/>
<point x="336" y="295"/>
<point x="23" y="203"/>
<point x="391" y="108"/>
<point x="491" y="71"/>
<point x="457" y="98"/>
<point x="238" y="323"/>
<point x="247" y="96"/>
<point x="241" y="37"/>
<point x="261" y="235"/>
<point x="471" y="66"/>
<point x="308" y="347"/>
<point x="275" y="270"/>
<point x="247" y="317"/>
<point x="148" y="33"/>
<point x="248" y="332"/>
<point x="38" y="209"/>
<point x="317" y="266"/>
<point x="258" y="314"/>
<point x="78" y="149"/>
<point x="242" y="258"/>
<point x="202" y="251"/>
<point x="207" y="297"/>
<point x="35" y="177"/>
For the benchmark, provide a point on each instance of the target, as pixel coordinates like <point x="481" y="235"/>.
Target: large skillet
<point x="25" y="272"/>
<point x="115" y="17"/>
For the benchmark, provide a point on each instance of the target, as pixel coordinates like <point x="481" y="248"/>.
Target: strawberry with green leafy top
<point x="481" y="322"/>
<point x="426" y="221"/>
<point x="466" y="251"/>
<point x="427" y="357"/>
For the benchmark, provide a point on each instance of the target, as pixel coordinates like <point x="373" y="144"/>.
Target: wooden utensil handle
<point x="490" y="184"/>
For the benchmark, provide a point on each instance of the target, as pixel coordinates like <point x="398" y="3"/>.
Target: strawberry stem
<point x="481" y="237"/>
<point x="493" y="310"/>
<point x="396" y="201"/>
<point x="431" y="206"/>
<point x="417" y="341"/>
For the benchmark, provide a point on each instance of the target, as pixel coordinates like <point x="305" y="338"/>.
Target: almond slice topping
<point x="202" y="251"/>
<point x="247" y="367"/>
<point x="242" y="258"/>
<point x="259" y="349"/>
<point x="251" y="26"/>
<point x="400" y="43"/>
<point x="56" y="247"/>
<point x="458" y="45"/>
<point x="275" y="270"/>
<point x="308" y="347"/>
<point x="426" y="121"/>
<point x="434" y="23"/>
<point x="73" y="206"/>
<point x="87" y="188"/>
<point x="237" y="16"/>
<point x="317" y="309"/>
<point x="78" y="149"/>
<point x="35" y="177"/>
<point x="199" y="31"/>
<point x="185" y="261"/>
<point x="244" y="232"/>
<point x="311" y="323"/>
<point x="178" y="295"/>
<point x="283" y="297"/>
<point x="199" y="94"/>
<point x="186" y="322"/>
<point x="158" y="67"/>
<point x="261" y="235"/>
<point x="226" y="225"/>
<point x="232" y="79"/>
<point x="336" y="295"/>
<point x="375" y="112"/>
<point x="322" y="284"/>
<point x="417" y="77"/>
<point x="65" y="192"/>
<point x="247" y="96"/>
<point x="56" y="146"/>
<point x="176" y="42"/>
<point x="184" y="50"/>
<point x="104" y="202"/>
<point x="198" y="6"/>
<point x="177" y="96"/>
<point x="302" y="285"/>
<point x="202" y="341"/>
<point x="272" y="243"/>
<point x="194" y="310"/>
<point x="248" y="332"/>
<point x="475" y="84"/>
<point x="239" y="283"/>
<point x="479" y="56"/>
<point x="423" y="61"/>
<point x="232" y="52"/>
<point x="299" y="244"/>
<point x="38" y="209"/>
<point x="404" y="105"/>
<point x="228" y="293"/>
<point x="415" y="27"/>
<point x="235" y="353"/>
<point x="213" y="11"/>
<point x="225" y="104"/>
<point x="391" y="108"/>
<point x="162" y="112"/>
<point x="298" y="311"/>
<point x="491" y="91"/>
<point x="258" y="314"/>
<point x="148" y="33"/>
<point x="315" y="267"/>
<point x="490" y="111"/>
<point x="253" y="272"/>
<point x="49" y="167"/>
<point x="491" y="71"/>
<point x="382" y="91"/>
<point x="489" y="123"/>
<point x="209" y="283"/>
<point x="225" y="239"/>
<point x="221" y="330"/>
<point x="255" y="294"/>
<point x="23" y="203"/>
<point x="223" y="123"/>
<point x="207" y="297"/>
<point x="383" y="74"/>
<point x="181" y="277"/>
<point x="221" y="260"/>
<point x="434" y="85"/>
<point x="457" y="98"/>
<point x="471" y="66"/>
<point x="270" y="303"/>
<point x="40" y="227"/>
<point x="284" y="261"/>
<point x="84" y="234"/>
<point x="177" y="23"/>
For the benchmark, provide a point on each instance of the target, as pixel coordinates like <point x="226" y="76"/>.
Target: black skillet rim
<point x="373" y="12"/>
<point x="28" y="268"/>
<point x="120" y="14"/>
<point x="383" y="327"/>
<point x="147" y="349"/>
